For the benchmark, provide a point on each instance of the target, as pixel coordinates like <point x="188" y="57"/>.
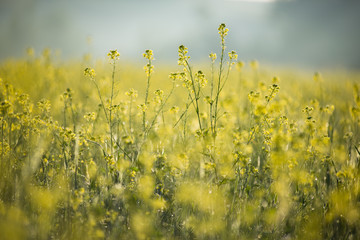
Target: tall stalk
<point x="221" y="79"/>
<point x="196" y="95"/>
<point x="222" y="32"/>
<point x="113" y="56"/>
<point x="210" y="100"/>
<point x="148" y="70"/>
<point x="111" y="107"/>
<point x="189" y="82"/>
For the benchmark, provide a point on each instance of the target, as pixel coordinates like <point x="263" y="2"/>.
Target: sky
<point x="297" y="33"/>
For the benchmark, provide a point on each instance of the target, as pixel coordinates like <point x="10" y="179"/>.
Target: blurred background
<point x="311" y="34"/>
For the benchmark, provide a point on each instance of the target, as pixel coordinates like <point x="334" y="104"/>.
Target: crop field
<point x="219" y="150"/>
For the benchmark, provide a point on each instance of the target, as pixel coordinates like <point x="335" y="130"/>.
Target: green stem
<point x="211" y="97"/>
<point x="147" y="94"/>
<point x="197" y="110"/>
<point x="102" y="102"/>
<point x="130" y="120"/>
<point x="218" y="88"/>
<point x="2" y="140"/>
<point x="158" y="112"/>
<point x="110" y="110"/>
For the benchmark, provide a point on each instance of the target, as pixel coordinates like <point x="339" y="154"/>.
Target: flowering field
<point x="228" y="151"/>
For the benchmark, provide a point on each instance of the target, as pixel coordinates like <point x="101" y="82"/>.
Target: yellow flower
<point x="182" y="55"/>
<point x="89" y="72"/>
<point x="132" y="93"/>
<point x="200" y="78"/>
<point x="148" y="54"/>
<point x="233" y="55"/>
<point x="142" y="107"/>
<point x="212" y="56"/>
<point x="174" y="109"/>
<point x="113" y="54"/>
<point x="223" y="31"/>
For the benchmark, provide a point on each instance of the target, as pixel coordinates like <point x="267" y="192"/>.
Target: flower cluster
<point x="89" y="72"/>
<point x="159" y="95"/>
<point x="113" y="54"/>
<point x="212" y="56"/>
<point x="223" y="31"/>
<point x="142" y="107"/>
<point x="177" y="76"/>
<point x="233" y="56"/>
<point x="200" y="78"/>
<point x="132" y="93"/>
<point x="183" y="55"/>
<point x="148" y="54"/>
